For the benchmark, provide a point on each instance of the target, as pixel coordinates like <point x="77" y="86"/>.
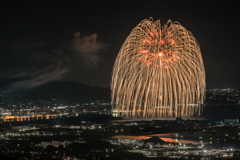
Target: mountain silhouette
<point x="69" y="91"/>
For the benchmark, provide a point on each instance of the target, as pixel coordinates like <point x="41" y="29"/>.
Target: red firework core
<point x="158" y="49"/>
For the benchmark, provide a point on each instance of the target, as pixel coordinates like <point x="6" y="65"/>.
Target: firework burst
<point x="158" y="72"/>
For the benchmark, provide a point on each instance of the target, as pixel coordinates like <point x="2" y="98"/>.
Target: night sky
<point x="43" y="41"/>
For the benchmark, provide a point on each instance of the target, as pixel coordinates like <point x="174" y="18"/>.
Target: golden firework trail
<point x="158" y="72"/>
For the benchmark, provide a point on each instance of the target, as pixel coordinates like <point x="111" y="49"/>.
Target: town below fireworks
<point x="55" y="128"/>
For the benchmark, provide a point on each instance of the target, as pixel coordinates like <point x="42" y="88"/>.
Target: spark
<point x="158" y="72"/>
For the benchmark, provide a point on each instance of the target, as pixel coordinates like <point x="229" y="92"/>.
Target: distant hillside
<point x="69" y="91"/>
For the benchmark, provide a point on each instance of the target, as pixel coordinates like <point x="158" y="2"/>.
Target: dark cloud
<point x="39" y="63"/>
<point x="39" y="77"/>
